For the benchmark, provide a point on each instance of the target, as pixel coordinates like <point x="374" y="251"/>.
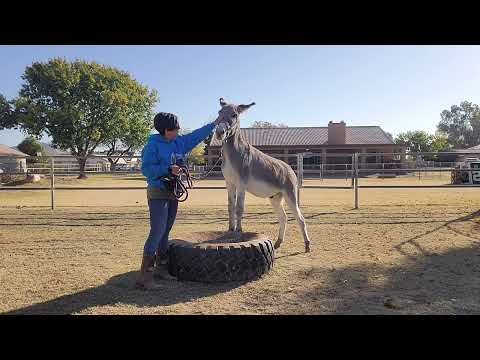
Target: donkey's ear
<point x="242" y="108"/>
<point x="223" y="102"/>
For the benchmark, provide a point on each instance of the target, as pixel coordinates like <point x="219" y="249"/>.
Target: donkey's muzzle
<point x="220" y="135"/>
<point x="220" y="131"/>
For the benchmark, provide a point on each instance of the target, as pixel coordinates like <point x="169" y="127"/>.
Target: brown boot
<point x="145" y="279"/>
<point x="161" y="268"/>
<point x="161" y="273"/>
<point x="161" y="259"/>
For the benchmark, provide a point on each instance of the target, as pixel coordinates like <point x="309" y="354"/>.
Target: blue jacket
<point x="158" y="154"/>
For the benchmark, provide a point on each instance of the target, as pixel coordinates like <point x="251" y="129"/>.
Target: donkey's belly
<point x="261" y="188"/>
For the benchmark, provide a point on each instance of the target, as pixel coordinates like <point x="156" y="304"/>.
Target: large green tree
<point x="421" y="141"/>
<point x="415" y="141"/>
<point x="80" y="104"/>
<point x="461" y="124"/>
<point x="129" y="136"/>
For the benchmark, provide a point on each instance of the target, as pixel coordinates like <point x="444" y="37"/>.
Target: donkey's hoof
<point x="277" y="244"/>
<point x="307" y="248"/>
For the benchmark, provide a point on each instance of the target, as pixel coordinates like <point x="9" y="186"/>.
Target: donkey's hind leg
<point x="291" y="199"/>
<point x="277" y="204"/>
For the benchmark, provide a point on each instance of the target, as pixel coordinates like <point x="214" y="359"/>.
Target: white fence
<point x="355" y="166"/>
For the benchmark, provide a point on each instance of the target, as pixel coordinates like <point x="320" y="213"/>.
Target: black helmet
<point x="164" y="121"/>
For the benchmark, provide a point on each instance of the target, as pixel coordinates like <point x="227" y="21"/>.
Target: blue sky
<point x="399" y="88"/>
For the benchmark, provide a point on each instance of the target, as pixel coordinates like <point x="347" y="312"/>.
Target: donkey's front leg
<point x="232" y="201"/>
<point x="240" y="207"/>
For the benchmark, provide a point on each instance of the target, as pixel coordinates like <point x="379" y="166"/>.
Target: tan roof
<point x="355" y="135"/>
<point x="471" y="150"/>
<point x="6" y="150"/>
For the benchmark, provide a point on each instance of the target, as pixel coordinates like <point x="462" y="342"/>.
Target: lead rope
<point x="209" y="172"/>
<point x="180" y="190"/>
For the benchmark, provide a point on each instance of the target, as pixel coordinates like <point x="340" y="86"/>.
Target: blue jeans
<point x="162" y="217"/>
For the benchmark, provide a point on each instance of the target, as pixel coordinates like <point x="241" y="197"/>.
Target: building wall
<point x="13" y="164"/>
<point x="214" y="153"/>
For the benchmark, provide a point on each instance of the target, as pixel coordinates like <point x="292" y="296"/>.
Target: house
<point x="12" y="160"/>
<point x="463" y="154"/>
<point x="337" y="138"/>
<point x="128" y="161"/>
<point x="65" y="162"/>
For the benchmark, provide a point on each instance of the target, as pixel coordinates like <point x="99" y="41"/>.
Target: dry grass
<point x="410" y="251"/>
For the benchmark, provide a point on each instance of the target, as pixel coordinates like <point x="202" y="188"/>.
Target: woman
<point x="160" y="157"/>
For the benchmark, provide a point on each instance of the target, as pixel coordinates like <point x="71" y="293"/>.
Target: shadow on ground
<point x="119" y="290"/>
<point x="427" y="283"/>
<point x="447" y="283"/>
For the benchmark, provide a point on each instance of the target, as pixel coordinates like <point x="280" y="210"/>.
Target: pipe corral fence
<point x="352" y="168"/>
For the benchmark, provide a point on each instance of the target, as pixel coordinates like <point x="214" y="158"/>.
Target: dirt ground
<point x="405" y="251"/>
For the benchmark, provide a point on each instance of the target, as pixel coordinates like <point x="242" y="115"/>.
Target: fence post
<point x="299" y="175"/>
<point x="356" y="181"/>
<point x="353" y="171"/>
<point x="52" y="182"/>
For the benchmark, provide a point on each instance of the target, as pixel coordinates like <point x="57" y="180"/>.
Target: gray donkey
<point x="246" y="168"/>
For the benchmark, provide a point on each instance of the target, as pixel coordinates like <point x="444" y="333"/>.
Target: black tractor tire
<point x="218" y="256"/>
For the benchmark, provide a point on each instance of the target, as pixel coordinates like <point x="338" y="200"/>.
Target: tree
<point x="461" y="124"/>
<point x="129" y="137"/>
<point x="6" y="117"/>
<point x="439" y="142"/>
<point x="266" y="124"/>
<point x="415" y="141"/>
<point x="421" y="141"/>
<point x="196" y="156"/>
<point x="32" y="147"/>
<point x="80" y="104"/>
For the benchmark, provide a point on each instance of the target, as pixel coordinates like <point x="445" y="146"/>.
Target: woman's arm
<point x="189" y="141"/>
